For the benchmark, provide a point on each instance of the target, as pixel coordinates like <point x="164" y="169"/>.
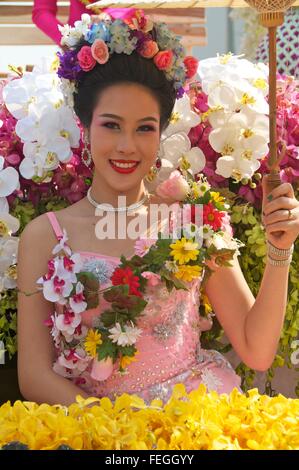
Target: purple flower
<point x="180" y="92"/>
<point x="141" y="38"/>
<point x="69" y="66"/>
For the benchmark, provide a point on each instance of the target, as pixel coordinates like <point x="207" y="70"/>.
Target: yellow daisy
<point x="126" y="360"/>
<point x="184" y="250"/>
<point x="92" y="340"/>
<point x="216" y="197"/>
<point x="187" y="273"/>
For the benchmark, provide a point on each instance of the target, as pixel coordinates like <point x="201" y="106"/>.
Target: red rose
<point x="191" y="65"/>
<point x="85" y="59"/>
<point x="163" y="60"/>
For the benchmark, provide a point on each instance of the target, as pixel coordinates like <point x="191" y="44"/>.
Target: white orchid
<point x="237" y="168"/>
<point x="60" y="123"/>
<point x="182" y="118"/>
<point x="21" y="94"/>
<point x="177" y="147"/>
<point x="9" y="179"/>
<point x="236" y="91"/>
<point x="18" y="94"/>
<point x="8" y="224"/>
<point x="61" y="245"/>
<point x="67" y="323"/>
<point x="8" y="259"/>
<point x="71" y="363"/>
<point x="4" y="207"/>
<point x="45" y="124"/>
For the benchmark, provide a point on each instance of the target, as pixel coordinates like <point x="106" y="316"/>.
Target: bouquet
<point x="193" y="253"/>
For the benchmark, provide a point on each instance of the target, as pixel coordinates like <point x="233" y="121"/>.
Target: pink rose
<point x="153" y="278"/>
<point x="100" y="51"/>
<point x="101" y="370"/>
<point x="163" y="60"/>
<point x="175" y="187"/>
<point x="85" y="59"/>
<point x="191" y="64"/>
<point x="148" y="49"/>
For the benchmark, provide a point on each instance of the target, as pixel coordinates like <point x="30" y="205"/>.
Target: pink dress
<point x="44" y="14"/>
<point x="169" y="350"/>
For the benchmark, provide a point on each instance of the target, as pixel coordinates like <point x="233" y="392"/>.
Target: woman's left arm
<point x="253" y="326"/>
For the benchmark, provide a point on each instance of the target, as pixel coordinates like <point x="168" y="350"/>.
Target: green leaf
<point x="171" y="281"/>
<point x="107" y="349"/>
<point x="91" y="288"/>
<point x="128" y="350"/>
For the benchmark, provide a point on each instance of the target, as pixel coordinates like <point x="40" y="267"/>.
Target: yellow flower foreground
<point x="198" y="420"/>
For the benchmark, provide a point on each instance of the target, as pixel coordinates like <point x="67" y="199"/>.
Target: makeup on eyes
<point x="150" y="128"/>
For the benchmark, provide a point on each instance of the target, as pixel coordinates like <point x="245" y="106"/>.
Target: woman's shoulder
<point x="39" y="231"/>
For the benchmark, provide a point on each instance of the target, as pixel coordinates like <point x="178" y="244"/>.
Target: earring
<point x="154" y="171"/>
<point x="86" y="154"/>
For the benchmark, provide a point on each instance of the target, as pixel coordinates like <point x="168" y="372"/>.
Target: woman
<point x="44" y="14"/>
<point x="124" y="102"/>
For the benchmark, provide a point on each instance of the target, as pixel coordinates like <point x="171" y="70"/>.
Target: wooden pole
<point x="273" y="179"/>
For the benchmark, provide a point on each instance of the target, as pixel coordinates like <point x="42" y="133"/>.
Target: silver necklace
<point x="108" y="208"/>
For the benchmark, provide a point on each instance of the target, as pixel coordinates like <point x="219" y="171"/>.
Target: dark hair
<point x="122" y="68"/>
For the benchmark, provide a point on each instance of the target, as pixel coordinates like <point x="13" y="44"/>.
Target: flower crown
<point x="151" y="40"/>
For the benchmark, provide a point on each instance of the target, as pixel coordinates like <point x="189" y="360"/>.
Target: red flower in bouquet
<point x="212" y="216"/>
<point x="126" y="277"/>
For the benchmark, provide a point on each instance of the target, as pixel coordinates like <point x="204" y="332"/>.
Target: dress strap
<point x="55" y="224"/>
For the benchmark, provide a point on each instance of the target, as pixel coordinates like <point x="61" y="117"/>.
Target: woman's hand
<point x="280" y="215"/>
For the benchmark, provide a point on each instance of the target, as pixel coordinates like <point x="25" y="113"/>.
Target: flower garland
<point x="98" y="41"/>
<point x="176" y="263"/>
<point x="189" y="421"/>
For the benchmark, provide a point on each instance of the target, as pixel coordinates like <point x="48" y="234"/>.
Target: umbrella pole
<point x="273" y="179"/>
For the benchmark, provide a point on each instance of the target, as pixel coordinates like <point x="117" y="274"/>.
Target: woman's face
<point x="124" y="135"/>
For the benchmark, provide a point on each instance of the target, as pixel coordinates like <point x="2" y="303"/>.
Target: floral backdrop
<point x="220" y="130"/>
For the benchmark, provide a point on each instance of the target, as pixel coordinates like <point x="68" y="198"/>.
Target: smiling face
<point x="124" y="136"/>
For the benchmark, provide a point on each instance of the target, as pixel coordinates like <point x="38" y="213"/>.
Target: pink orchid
<point x="68" y="264"/>
<point x="77" y="301"/>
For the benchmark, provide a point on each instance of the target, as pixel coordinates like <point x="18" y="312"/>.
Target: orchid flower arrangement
<point x="42" y="171"/>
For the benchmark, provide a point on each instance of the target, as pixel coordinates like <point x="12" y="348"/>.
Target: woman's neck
<point x="104" y="194"/>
